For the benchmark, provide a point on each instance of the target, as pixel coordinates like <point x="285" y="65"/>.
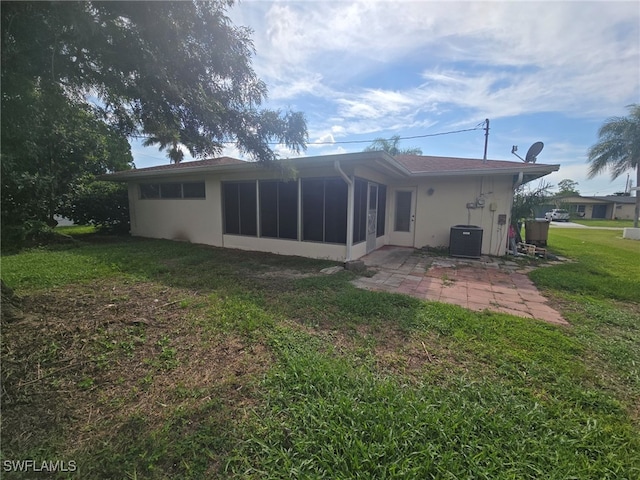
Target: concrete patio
<point x="491" y="283"/>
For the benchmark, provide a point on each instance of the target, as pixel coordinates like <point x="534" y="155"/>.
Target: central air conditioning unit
<point x="465" y="241"/>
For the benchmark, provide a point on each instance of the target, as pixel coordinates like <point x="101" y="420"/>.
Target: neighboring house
<point x="609" y="207"/>
<point x="63" y="221"/>
<point x="338" y="207"/>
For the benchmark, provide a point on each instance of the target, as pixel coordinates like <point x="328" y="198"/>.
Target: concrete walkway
<point x="494" y="284"/>
<point x="577" y="225"/>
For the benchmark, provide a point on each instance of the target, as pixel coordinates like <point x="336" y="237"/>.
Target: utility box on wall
<point x="465" y="241"/>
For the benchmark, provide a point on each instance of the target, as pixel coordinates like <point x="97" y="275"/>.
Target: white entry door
<point x="404" y="217"/>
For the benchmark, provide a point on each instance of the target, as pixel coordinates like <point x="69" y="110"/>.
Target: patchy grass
<point x="157" y="359"/>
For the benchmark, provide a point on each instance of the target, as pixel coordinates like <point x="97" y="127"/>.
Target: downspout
<point x="350" y="198"/>
<point x="515" y="187"/>
<point x="519" y="181"/>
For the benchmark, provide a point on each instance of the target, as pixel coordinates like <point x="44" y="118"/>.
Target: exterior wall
<point x="192" y="220"/>
<point x="201" y="220"/>
<point x="442" y="204"/>
<point x="360" y="250"/>
<point x="624" y="212"/>
<point x="287" y="247"/>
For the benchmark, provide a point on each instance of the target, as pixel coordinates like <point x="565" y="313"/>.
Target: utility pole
<point x="627" y="186"/>
<point x="486" y="139"/>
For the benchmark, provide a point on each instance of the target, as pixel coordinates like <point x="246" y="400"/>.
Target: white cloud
<point x="327" y="138"/>
<point x="551" y="55"/>
<point x="374" y="67"/>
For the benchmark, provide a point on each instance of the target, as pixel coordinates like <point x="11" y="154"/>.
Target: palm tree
<point x="392" y="147"/>
<point x="618" y="149"/>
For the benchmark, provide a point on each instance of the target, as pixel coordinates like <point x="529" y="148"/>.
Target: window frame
<point x="153" y="190"/>
<point x="333" y="229"/>
<point x="247" y="226"/>
<point x="285" y="209"/>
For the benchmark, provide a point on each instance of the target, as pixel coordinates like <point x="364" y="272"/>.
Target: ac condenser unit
<point x="465" y="241"/>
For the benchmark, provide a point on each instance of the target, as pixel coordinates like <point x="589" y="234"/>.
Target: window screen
<point x="288" y="210"/>
<point x="170" y="190"/>
<point x="193" y="190"/>
<point x="231" y="208"/>
<point x="269" y="209"/>
<point x="313" y="210"/>
<point x="149" y="190"/>
<point x="279" y="209"/>
<point x="324" y="210"/>
<point x="335" y="216"/>
<point x="360" y="211"/>
<point x="248" y="205"/>
<point x="240" y="216"/>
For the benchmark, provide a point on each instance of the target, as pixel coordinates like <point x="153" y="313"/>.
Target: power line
<point x="344" y="142"/>
<point x="399" y="138"/>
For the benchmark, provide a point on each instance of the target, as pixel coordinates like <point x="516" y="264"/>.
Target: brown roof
<point x="413" y="165"/>
<point x="426" y="164"/>
<point x="196" y="163"/>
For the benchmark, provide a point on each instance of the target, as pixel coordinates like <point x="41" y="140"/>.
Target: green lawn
<point x="76" y="230"/>
<point x="157" y="359"/>
<point x="608" y="265"/>
<point x="603" y="223"/>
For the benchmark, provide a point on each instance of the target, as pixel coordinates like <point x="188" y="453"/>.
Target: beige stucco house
<point x="337" y="207"/>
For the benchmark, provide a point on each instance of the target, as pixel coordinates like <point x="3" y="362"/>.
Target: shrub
<point x="103" y="204"/>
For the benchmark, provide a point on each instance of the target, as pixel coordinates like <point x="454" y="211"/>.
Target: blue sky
<point x="539" y="71"/>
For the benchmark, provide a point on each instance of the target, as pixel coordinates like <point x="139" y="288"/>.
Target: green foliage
<point x="392" y="147"/>
<point x="618" y="149"/>
<point x="567" y="187"/>
<point x="102" y="204"/>
<point x="618" y="146"/>
<point x="48" y="144"/>
<point x="178" y="72"/>
<point x="526" y="198"/>
<point x="79" y="77"/>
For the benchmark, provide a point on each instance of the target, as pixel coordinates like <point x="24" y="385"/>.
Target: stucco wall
<point x="442" y="203"/>
<point x="197" y="220"/>
<point x="325" y="251"/>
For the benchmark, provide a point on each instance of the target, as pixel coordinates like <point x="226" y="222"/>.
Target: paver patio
<point x="494" y="284"/>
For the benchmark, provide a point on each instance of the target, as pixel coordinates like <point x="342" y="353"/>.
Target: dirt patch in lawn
<point x="283" y="273"/>
<point x="87" y="358"/>
<point x="394" y="351"/>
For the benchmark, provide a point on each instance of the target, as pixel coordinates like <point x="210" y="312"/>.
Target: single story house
<point x="609" y="207"/>
<point x="337" y="207"/>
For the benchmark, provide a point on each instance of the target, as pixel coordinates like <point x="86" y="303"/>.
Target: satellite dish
<point x="533" y="152"/>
